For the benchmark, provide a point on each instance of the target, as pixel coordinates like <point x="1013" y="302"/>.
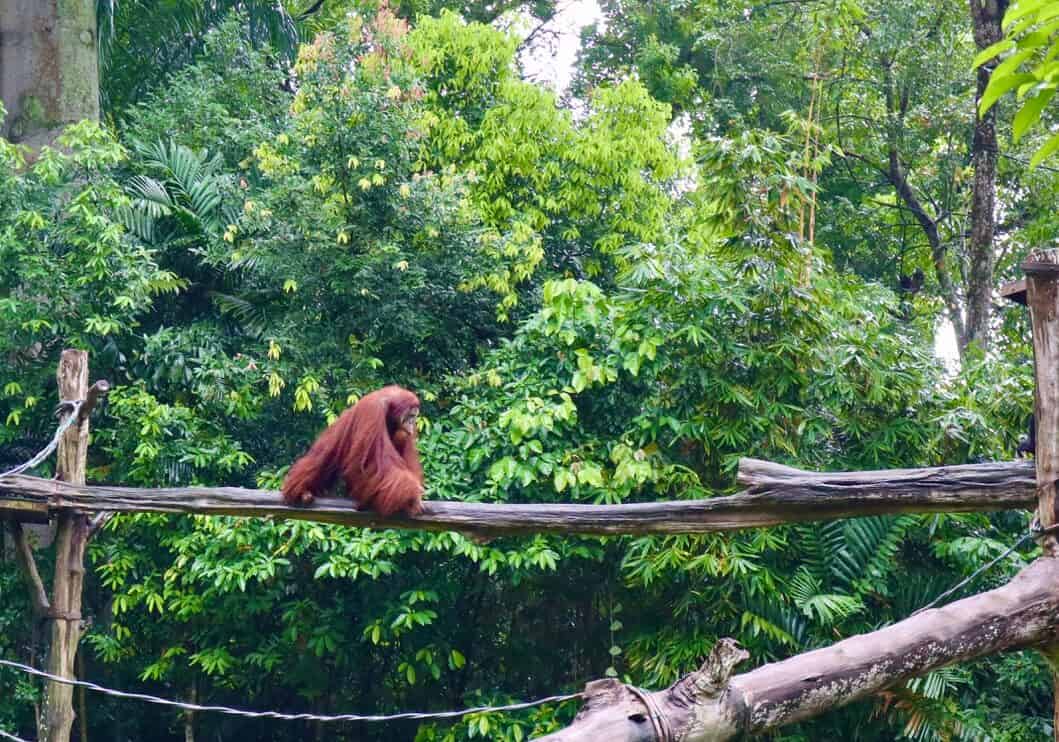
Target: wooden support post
<point x="1042" y="297"/>
<point x="65" y="611"/>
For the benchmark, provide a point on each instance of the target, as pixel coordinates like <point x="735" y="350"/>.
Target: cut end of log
<point x="1015" y="291"/>
<point x="1040" y="262"/>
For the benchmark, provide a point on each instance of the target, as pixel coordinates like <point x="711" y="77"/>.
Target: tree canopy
<point x="736" y="234"/>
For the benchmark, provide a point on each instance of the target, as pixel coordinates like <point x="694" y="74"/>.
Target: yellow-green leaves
<point x="1029" y="67"/>
<point x="303" y="393"/>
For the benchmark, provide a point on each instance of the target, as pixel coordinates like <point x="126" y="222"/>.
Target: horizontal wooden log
<point x="946" y="487"/>
<point x="23" y="511"/>
<point x="708" y="706"/>
<point x="776" y="495"/>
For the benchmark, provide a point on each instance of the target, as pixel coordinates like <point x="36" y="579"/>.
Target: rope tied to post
<point x="76" y="410"/>
<point x="74" y="407"/>
<point x="658" y="718"/>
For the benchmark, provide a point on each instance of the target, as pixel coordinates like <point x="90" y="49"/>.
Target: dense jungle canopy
<point x="740" y="230"/>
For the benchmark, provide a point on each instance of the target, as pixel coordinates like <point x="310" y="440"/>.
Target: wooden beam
<point x="776" y="495"/>
<point x="1014" y="291"/>
<point x="964" y="483"/>
<point x="23" y="511"/>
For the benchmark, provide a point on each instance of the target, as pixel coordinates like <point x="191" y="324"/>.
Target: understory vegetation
<point x="606" y="294"/>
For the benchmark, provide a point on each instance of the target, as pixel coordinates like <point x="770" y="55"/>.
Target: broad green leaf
<point x="992" y="50"/>
<point x="1030" y="112"/>
<point x="1020" y="9"/>
<point x="1046" y="150"/>
<point x="998" y="86"/>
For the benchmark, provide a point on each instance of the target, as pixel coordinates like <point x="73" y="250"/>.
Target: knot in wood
<point x="710" y="679"/>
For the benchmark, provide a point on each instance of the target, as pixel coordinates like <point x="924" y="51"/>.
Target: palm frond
<point x="871" y="547"/>
<point x="820" y="544"/>
<point x="249" y="315"/>
<point x="187" y="186"/>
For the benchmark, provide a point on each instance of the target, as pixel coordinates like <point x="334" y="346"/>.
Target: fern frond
<point x="820" y="544"/>
<point x="871" y="547"/>
<point x="249" y="315"/>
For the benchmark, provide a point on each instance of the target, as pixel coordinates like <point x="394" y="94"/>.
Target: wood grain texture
<point x="1042" y="285"/>
<point x="775" y="495"/>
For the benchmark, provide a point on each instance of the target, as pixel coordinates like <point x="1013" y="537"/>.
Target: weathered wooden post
<point x="1042" y="297"/>
<point x="72" y="534"/>
<point x="70" y="540"/>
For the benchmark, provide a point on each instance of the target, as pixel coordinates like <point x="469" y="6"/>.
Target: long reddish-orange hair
<point x="368" y="447"/>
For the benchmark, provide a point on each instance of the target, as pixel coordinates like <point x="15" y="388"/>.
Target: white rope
<point x="13" y="738"/>
<point x="46" y="451"/>
<point x="659" y="719"/>
<point x="279" y="715"/>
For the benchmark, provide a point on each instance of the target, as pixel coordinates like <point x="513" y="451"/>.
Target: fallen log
<point x="775" y="495"/>
<point x="708" y="706"/>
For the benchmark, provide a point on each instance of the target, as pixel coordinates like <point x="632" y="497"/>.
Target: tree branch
<point x="707" y="707"/>
<point x="27" y="565"/>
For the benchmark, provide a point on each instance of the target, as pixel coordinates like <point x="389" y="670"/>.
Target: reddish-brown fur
<point x="368" y="448"/>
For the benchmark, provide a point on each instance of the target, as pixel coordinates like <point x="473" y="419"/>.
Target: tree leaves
<point x="1029" y="64"/>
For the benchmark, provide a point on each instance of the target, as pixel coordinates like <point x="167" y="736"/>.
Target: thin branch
<point x="96" y="393"/>
<point x="38" y="595"/>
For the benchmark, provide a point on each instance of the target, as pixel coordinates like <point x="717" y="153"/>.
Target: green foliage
<point x="1028" y="68"/>
<point x="16" y="642"/>
<point x="389" y="245"/>
<point x="232" y="93"/>
<point x="262" y="251"/>
<point x="571" y="194"/>
<point x="71" y="275"/>
<point x="141" y="44"/>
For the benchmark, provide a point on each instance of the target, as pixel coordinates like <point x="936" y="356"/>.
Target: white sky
<point x="551" y="55"/>
<point x="945" y="346"/>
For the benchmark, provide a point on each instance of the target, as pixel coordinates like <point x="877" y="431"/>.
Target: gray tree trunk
<point x="49" y="69"/>
<point x="986" y="16"/>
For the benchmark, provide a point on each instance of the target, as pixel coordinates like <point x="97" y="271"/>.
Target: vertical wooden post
<point x="57" y="720"/>
<point x="189" y="715"/>
<point x="1042" y="297"/>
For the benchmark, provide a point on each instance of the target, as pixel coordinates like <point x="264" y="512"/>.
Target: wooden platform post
<point x="65" y="611"/>
<point x="1042" y="297"/>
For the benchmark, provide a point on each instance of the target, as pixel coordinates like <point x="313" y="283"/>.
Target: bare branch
<point x="27" y="565"/>
<point x="96" y="392"/>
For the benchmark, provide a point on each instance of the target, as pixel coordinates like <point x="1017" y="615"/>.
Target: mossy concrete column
<point x="49" y="69"/>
